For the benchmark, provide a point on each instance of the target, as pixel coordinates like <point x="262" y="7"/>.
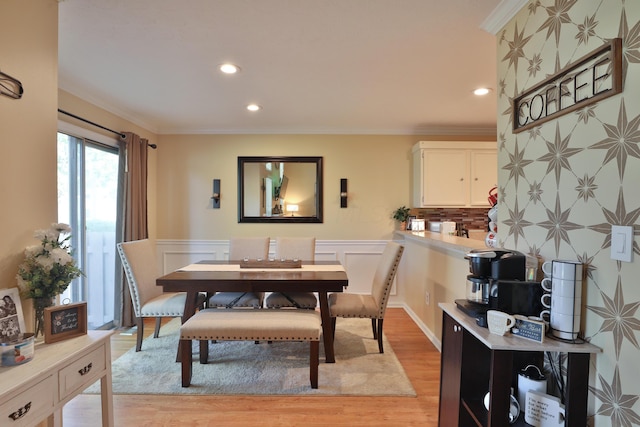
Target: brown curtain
<point x="134" y="209"/>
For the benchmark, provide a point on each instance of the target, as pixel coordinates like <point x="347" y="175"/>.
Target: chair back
<point x="140" y="267"/>
<point x="302" y="248"/>
<point x="384" y="275"/>
<point x="248" y="247"/>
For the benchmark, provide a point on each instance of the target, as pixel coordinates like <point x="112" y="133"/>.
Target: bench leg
<point x="186" y="360"/>
<point x="204" y="351"/>
<point x="314" y="361"/>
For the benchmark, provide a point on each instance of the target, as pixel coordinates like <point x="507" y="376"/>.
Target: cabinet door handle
<point x="456" y="328"/>
<point x="461" y="179"/>
<point x="20" y="412"/>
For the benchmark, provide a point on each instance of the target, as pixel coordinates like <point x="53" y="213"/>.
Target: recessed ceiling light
<point x="481" y="91"/>
<point x="229" y="68"/>
<point x="253" y="107"/>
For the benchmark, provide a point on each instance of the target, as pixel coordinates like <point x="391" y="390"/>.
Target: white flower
<point x="60" y="256"/>
<point x="61" y="228"/>
<point x="48" y="268"/>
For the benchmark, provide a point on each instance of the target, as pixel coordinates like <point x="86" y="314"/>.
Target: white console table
<point x="38" y="389"/>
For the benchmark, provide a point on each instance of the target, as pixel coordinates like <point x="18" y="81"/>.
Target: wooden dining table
<point x="321" y="277"/>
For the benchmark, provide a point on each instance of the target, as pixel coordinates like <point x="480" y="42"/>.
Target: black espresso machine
<point x="497" y="282"/>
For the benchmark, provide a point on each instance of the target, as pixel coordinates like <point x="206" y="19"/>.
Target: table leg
<point x="189" y="310"/>
<point x="327" y="332"/>
<point x="190" y="305"/>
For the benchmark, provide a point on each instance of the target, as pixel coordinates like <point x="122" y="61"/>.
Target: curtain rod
<point x="120" y="134"/>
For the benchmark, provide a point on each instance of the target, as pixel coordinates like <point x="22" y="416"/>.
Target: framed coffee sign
<point x="595" y="76"/>
<point x="65" y="321"/>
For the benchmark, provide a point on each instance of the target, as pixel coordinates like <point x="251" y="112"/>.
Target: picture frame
<point x="66" y="321"/>
<point x="11" y="317"/>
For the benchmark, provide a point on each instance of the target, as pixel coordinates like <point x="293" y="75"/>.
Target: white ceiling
<point x="315" y="66"/>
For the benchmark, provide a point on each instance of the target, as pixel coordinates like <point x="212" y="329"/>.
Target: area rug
<point x="278" y="368"/>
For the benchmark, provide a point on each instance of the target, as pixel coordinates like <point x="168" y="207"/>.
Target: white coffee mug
<point x="545" y="299"/>
<point x="562" y="288"/>
<point x="499" y="322"/>
<point x="565" y="322"/>
<point x="560" y="269"/>
<point x="493" y="214"/>
<point x="545" y="315"/>
<point x="566" y="305"/>
<point x="491" y="240"/>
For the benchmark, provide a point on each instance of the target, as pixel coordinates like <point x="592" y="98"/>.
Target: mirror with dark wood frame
<point x="279" y="189"/>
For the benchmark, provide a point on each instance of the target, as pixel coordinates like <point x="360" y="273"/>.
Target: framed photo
<point x="65" y="321"/>
<point x="11" y="317"/>
<point x="410" y="218"/>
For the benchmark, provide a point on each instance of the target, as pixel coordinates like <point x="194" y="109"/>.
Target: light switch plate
<point x="622" y="242"/>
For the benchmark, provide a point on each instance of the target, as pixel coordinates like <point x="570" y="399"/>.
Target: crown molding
<point x="501" y="15"/>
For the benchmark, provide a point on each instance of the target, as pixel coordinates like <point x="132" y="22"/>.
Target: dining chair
<point x="239" y="249"/>
<point x="304" y="249"/>
<point x="371" y="306"/>
<point x="140" y="266"/>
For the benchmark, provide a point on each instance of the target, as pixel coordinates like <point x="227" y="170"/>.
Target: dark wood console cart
<point x="475" y="361"/>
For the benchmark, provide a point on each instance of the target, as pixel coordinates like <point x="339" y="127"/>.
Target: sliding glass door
<point x="88" y="202"/>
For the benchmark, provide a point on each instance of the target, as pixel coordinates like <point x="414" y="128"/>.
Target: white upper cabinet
<point x="453" y="173"/>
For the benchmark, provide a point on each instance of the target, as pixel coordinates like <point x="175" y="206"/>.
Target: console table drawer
<point x="82" y="372"/>
<point x="30" y="406"/>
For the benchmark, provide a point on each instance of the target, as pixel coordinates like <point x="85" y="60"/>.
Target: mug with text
<point x="499" y="322"/>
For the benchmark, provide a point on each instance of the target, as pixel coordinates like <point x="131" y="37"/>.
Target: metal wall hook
<point x="10" y="86"/>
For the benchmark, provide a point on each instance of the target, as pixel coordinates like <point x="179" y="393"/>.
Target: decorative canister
<point x="530" y="378"/>
<point x="17" y="352"/>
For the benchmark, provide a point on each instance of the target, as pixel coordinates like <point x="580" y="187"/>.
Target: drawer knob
<point x="20" y="412"/>
<point x="456" y="328"/>
<point x="86" y="369"/>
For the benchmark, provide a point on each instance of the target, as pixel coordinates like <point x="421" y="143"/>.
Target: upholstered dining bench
<point x="249" y="325"/>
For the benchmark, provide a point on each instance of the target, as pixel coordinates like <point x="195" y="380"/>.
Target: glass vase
<point x="39" y="304"/>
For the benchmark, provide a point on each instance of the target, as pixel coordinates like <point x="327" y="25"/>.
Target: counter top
<point x="455" y="244"/>
<point x="511" y="342"/>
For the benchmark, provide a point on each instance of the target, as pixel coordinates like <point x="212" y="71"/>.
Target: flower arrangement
<point x="48" y="267"/>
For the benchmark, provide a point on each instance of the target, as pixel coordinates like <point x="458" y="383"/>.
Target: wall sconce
<point x="343" y="192"/>
<point x="216" y="194"/>
<point x="292" y="209"/>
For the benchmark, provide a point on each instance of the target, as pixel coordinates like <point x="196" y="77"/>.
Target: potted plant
<point x="401" y="214"/>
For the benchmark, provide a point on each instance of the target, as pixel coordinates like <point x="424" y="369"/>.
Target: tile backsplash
<point x="472" y="218"/>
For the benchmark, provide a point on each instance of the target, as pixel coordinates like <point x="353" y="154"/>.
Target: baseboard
<point x="429" y="334"/>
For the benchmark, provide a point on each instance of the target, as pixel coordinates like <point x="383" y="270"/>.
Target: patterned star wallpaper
<point x="562" y="184"/>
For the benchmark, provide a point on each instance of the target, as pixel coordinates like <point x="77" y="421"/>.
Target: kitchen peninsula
<point x="433" y="270"/>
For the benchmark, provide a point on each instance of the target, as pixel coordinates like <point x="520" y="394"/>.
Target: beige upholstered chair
<point x="239" y="249"/>
<point x="370" y="306"/>
<point x="140" y="267"/>
<point x="304" y="249"/>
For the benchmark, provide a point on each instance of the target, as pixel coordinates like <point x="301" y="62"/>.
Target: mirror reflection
<point x="284" y="189"/>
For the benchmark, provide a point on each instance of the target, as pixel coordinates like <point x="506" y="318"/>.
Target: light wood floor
<point x="420" y="359"/>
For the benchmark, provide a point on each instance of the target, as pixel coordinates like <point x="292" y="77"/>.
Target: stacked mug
<point x="563" y="279"/>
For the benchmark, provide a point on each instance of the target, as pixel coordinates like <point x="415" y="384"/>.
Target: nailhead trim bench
<point x="249" y="325"/>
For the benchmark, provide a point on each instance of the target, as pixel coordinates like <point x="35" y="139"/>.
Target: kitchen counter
<point x="433" y="270"/>
<point x="454" y="244"/>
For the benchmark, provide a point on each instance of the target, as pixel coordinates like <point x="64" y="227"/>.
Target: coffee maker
<point x="497" y="282"/>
